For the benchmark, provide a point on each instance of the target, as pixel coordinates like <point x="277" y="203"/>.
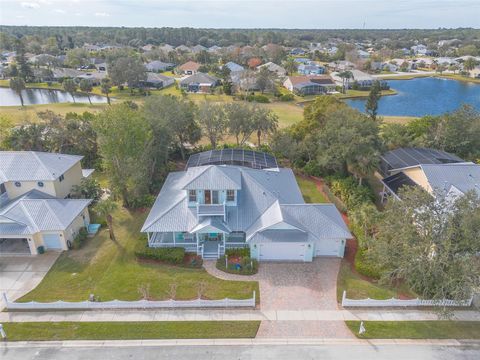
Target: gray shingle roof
<point x="36" y="211"/>
<point x="34" y="166"/>
<point x="265" y="198"/>
<point x="199" y="78"/>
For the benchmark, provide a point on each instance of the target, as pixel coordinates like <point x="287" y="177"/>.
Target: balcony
<point x="211" y="210"/>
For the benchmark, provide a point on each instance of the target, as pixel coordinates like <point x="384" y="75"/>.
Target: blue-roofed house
<point x="301" y="60"/>
<point x="310" y="69"/>
<point x="234" y="67"/>
<point x="35" y="205"/>
<point x="235" y="198"/>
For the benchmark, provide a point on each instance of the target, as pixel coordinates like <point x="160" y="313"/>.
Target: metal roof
<point x="34" y="166"/>
<point x="241" y="157"/>
<point x="464" y="176"/>
<point x="405" y="157"/>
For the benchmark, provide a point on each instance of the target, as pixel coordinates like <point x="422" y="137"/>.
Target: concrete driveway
<point x="21" y="274"/>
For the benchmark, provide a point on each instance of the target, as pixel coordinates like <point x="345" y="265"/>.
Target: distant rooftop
<point x="247" y="158"/>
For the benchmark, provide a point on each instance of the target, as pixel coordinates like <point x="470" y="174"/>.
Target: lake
<point x="8" y="97"/>
<point x="424" y="96"/>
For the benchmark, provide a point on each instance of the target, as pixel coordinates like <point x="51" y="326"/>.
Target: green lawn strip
<point x="417" y="329"/>
<point x="309" y="190"/>
<point x="45" y="331"/>
<point x="111" y="271"/>
<point x="359" y="288"/>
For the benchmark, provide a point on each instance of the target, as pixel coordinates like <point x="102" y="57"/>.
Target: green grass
<point x="309" y="190"/>
<point x="353" y="94"/>
<point x="417" y="329"/>
<point x="110" y="271"/>
<point x="359" y="288"/>
<point x="45" y="331"/>
<point x="458" y="77"/>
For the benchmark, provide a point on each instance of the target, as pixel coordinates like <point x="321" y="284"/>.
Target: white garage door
<point x="327" y="247"/>
<point x="52" y="241"/>
<point x="282" y="251"/>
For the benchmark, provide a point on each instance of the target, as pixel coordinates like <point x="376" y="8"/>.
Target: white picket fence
<point x="393" y="302"/>
<point x="140" y="304"/>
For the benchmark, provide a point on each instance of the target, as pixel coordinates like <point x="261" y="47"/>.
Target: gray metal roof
<point x="463" y="176"/>
<point x="199" y="78"/>
<point x="34" y="166"/>
<point x="36" y="211"/>
<point x="214" y="178"/>
<point x="265" y="198"/>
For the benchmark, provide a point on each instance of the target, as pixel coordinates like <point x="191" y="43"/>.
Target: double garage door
<point x="283" y="251"/>
<point x="52" y="241"/>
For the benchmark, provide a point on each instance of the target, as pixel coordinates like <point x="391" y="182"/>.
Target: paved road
<point x="263" y="352"/>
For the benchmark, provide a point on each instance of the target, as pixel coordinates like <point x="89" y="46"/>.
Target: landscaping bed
<point x="238" y="261"/>
<point x="416" y="329"/>
<point x="174" y="256"/>
<point x="47" y="331"/>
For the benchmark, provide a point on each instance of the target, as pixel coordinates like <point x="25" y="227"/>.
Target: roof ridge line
<point x="41" y="163"/>
<point x="196" y="177"/>
<point x="54" y="214"/>
<point x="163" y="213"/>
<point x="29" y="216"/>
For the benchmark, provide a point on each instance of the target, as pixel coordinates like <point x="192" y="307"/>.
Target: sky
<point x="304" y="14"/>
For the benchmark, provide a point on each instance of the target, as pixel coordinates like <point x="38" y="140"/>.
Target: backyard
<point x="110" y="270"/>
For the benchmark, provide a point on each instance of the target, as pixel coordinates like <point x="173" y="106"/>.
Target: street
<point x="278" y="352"/>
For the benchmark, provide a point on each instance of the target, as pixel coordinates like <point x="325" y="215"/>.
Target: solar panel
<point x="241" y="157"/>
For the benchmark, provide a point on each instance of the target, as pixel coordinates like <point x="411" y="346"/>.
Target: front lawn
<point x="47" y="331"/>
<point x="417" y="329"/>
<point x="309" y="190"/>
<point x="111" y="271"/>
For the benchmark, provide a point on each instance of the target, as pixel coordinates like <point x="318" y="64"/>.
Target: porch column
<point x="173" y="235"/>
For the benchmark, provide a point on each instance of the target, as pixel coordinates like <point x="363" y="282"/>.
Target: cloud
<point x="59" y="11"/>
<point x="102" y="14"/>
<point x="30" y="5"/>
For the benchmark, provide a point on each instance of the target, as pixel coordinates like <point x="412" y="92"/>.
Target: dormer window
<point x="192" y="195"/>
<point x="230" y="195"/>
<point x="61" y="178"/>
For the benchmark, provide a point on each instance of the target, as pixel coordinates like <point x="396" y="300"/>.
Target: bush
<point x="258" y="99"/>
<point x="241" y="252"/>
<point x="365" y="267"/>
<point x="248" y="266"/>
<point x="143" y="201"/>
<point x="287" y="97"/>
<point x="348" y="190"/>
<point x="80" y="238"/>
<point x="171" y="255"/>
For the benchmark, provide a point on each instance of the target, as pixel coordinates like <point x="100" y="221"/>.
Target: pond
<point x="424" y="96"/>
<point x="8" y="97"/>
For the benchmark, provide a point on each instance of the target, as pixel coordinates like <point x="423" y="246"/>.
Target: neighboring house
<point x="277" y="69"/>
<point x="419" y="49"/>
<point x="214" y="49"/>
<point x="157" y="66"/>
<point x="35" y="208"/>
<point x="198" y="48"/>
<point x="475" y="73"/>
<point x="362" y="79"/>
<point x="245" y="80"/>
<point x="199" y="82"/>
<point x="95" y="78"/>
<point x="302" y="60"/>
<point x="310" y="69"/>
<point x="342" y="65"/>
<point x="56" y="74"/>
<point x="362" y="54"/>
<point x="189" y="68"/>
<point x="297" y="52"/>
<point x="309" y="85"/>
<point x="148" y="47"/>
<point x="182" y="48"/>
<point x="166" y="48"/>
<point x="157" y="81"/>
<point x="234" y="67"/>
<point x="235" y="198"/>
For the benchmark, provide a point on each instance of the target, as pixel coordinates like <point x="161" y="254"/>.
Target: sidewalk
<point x="232" y="315"/>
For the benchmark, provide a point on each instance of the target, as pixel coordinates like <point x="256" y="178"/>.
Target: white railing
<point x="393" y="302"/>
<point x="140" y="304"/>
<point x="230" y="245"/>
<point x="200" y="250"/>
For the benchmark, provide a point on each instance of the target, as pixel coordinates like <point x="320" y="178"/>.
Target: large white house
<point x="234" y="198"/>
<point x="35" y="205"/>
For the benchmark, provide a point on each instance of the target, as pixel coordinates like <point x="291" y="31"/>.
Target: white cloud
<point x="102" y="14"/>
<point x="59" y="11"/>
<point x="30" y="5"/>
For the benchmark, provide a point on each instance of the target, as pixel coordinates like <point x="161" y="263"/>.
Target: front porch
<point x="209" y="245"/>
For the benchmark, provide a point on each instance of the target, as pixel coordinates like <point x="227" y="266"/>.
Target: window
<point x="230" y="195"/>
<point x="18" y="184"/>
<point x="61" y="178"/>
<point x="40" y="184"/>
<point x="192" y="195"/>
<point x="215" y="199"/>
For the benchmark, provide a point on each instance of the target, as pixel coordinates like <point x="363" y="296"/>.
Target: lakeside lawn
<point x="417" y="329"/>
<point x="111" y="271"/>
<point x="309" y="190"/>
<point x="51" y="331"/>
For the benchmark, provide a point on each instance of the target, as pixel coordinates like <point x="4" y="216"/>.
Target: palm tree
<point x="290" y="65"/>
<point x="86" y="87"/>
<point x="70" y="86"/>
<point x="106" y="88"/>
<point x="363" y="165"/>
<point x="346" y="76"/>
<point x="18" y="85"/>
<point x="105" y="208"/>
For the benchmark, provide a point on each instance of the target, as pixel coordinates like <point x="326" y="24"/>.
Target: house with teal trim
<point x="235" y="198"/>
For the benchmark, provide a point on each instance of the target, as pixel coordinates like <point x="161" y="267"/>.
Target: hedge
<point x="242" y="252"/>
<point x="365" y="267"/>
<point x="172" y="255"/>
<point x="348" y="190"/>
<point x="80" y="238"/>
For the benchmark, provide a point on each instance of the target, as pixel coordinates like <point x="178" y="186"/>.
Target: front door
<point x="215" y="197"/>
<point x="208" y="197"/>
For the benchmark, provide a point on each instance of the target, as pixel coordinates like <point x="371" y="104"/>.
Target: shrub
<point x="248" y="266"/>
<point x="258" y="99"/>
<point x="143" y="201"/>
<point x="171" y="255"/>
<point x="366" y="267"/>
<point x="80" y="238"/>
<point x="242" y="252"/>
<point x="287" y="97"/>
<point x="348" y="190"/>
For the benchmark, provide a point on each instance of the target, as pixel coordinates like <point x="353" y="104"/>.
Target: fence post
<point x="5" y="299"/>
<point x="254" y="298"/>
<point x="344" y="296"/>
